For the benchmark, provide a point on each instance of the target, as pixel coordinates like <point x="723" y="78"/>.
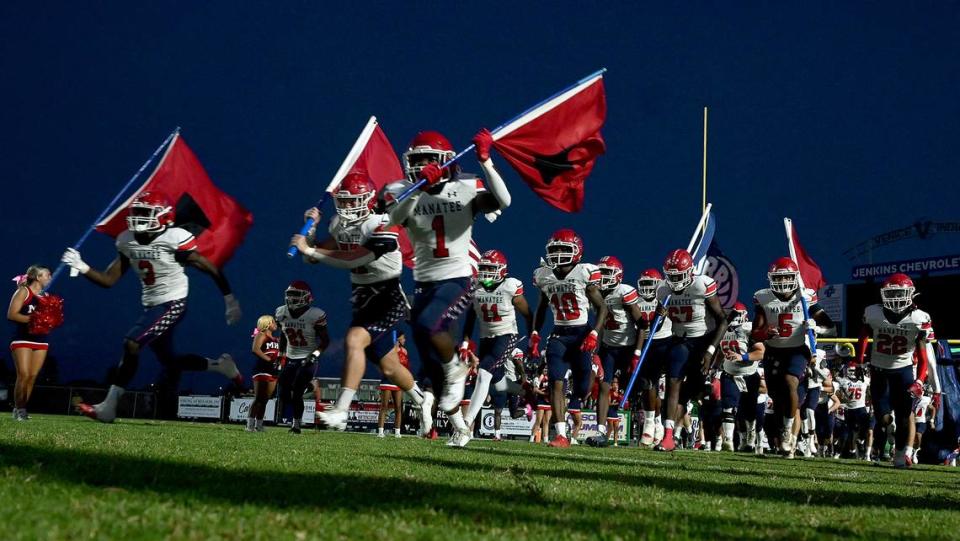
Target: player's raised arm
<point x="497" y="196"/>
<point x="105" y="278"/>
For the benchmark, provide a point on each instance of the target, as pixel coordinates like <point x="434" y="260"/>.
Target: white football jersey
<point x="688" y="309"/>
<point x="494" y="308"/>
<point x="441" y="227"/>
<point x="620" y="328"/>
<point x="301" y="331"/>
<point x="852" y="393"/>
<point x="374" y="227"/>
<point x="894" y="343"/>
<point x="736" y="340"/>
<point x="161" y="275"/>
<point x="648" y="312"/>
<point x="786" y="315"/>
<point x="568" y="295"/>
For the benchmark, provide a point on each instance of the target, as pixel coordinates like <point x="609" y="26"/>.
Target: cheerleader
<point x="29" y="349"/>
<point x="266" y="349"/>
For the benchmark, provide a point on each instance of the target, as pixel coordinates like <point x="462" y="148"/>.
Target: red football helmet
<point x="784" y="276"/>
<point x="150" y="212"/>
<point x="648" y="283"/>
<point x="897" y="293"/>
<point x="611" y="272"/>
<point x="564" y="248"/>
<point x="427" y="147"/>
<point x="678" y="268"/>
<point x="740" y="314"/>
<point x="492" y="267"/>
<point x="298" y="295"/>
<point x="355" y="197"/>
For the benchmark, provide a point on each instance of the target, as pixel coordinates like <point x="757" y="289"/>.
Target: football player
<point x="497" y="300"/>
<point x="621" y="334"/>
<point x="740" y="382"/>
<point x="305" y="329"/>
<point x="651" y="381"/>
<point x="778" y="323"/>
<point x="158" y="251"/>
<point x="439" y="219"/>
<point x="852" y="392"/>
<point x="899" y="330"/>
<point x="569" y="288"/>
<point x="698" y="323"/>
<point x="366" y="243"/>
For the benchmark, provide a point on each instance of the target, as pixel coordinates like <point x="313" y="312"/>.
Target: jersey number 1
<point x="440" y="234"/>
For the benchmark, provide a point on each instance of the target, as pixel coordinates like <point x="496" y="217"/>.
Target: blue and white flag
<point x="724" y="272"/>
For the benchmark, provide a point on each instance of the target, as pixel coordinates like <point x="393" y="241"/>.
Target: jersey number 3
<point x="145" y="268"/>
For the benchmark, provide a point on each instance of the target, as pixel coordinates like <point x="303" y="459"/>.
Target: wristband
<point x="745" y="357"/>
<point x="711" y="349"/>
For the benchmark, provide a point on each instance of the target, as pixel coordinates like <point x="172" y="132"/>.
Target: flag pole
<point x="409" y="191"/>
<point x="788" y="226"/>
<point x="701" y="226"/>
<point x="703" y="206"/>
<point x="345" y="166"/>
<point x="114" y="201"/>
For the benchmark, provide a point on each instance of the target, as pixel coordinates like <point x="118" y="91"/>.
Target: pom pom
<point x="47" y="316"/>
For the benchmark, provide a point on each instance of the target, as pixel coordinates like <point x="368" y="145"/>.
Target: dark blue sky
<point x="843" y="117"/>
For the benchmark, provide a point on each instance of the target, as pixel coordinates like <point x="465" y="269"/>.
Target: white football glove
<point x="72" y="258"/>
<point x="811" y="325"/>
<point x="233" y="312"/>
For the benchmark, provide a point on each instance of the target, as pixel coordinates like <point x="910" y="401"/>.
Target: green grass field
<point x="71" y="478"/>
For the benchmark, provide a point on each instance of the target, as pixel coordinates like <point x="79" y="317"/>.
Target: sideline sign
<point x="944" y="263"/>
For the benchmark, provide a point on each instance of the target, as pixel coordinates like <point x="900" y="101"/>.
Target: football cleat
<point x="98" y="412"/>
<point x="397" y="435"/>
<point x="727" y="445"/>
<point x="459" y="439"/>
<point x="667" y="443"/>
<point x="559" y="441"/>
<point x="657" y="433"/>
<point x="426" y="414"/>
<point x="600" y="440"/>
<point x="902" y="460"/>
<point x="334" y="418"/>
<point x="455" y="373"/>
<point x="227" y="366"/>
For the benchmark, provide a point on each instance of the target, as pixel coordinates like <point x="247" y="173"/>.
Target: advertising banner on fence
<point x="945" y="263"/>
<point x="199" y="407"/>
<point x="522" y="426"/>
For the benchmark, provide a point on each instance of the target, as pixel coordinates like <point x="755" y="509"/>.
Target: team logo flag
<point x="810" y="275"/>
<point x="216" y="219"/>
<point x="553" y="147"/>
<point x="724" y="273"/>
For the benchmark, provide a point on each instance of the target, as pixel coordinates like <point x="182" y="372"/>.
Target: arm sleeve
<point x="495" y="184"/>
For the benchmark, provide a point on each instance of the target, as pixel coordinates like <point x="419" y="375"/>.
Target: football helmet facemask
<point x="355" y="197"/>
<point x="611" y="272"/>
<point x="150" y="212"/>
<point x="564" y="248"/>
<point x="298" y="295"/>
<point x="897" y="293"/>
<point x="678" y="269"/>
<point x="784" y="276"/>
<point x="427" y="147"/>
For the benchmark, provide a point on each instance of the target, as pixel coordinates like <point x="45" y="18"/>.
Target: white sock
<point x="668" y="424"/>
<point x="649" y="417"/>
<point x="380" y="430"/>
<point x="728" y="432"/>
<point x="396" y="430"/>
<point x="415" y="394"/>
<point x="788" y="424"/>
<point x="113" y="396"/>
<point x="345" y="398"/>
<point x="496" y="433"/>
<point x="561" y="429"/>
<point x="908" y="450"/>
<point x="602" y="429"/>
<point x="456" y="419"/>
<point x="479" y="394"/>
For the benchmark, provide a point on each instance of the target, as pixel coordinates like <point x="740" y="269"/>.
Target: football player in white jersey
<point x="158" y="251"/>
<point x="366" y="243"/>
<point x="651" y="380"/>
<point x="852" y="391"/>
<point x="569" y="288"/>
<point x="778" y="322"/>
<point x="900" y="332"/>
<point x="622" y="332"/>
<point x="698" y="323"/>
<point x="497" y="300"/>
<point x="740" y="382"/>
<point x="439" y="219"/>
<point x="305" y="329"/>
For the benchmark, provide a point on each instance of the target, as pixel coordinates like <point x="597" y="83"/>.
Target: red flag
<point x="373" y="154"/>
<point x="217" y="221"/>
<point x="810" y="275"/>
<point x="555" y="145"/>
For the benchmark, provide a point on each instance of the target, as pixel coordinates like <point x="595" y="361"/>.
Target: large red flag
<point x="555" y="145"/>
<point x="217" y="220"/>
<point x="810" y="274"/>
<point x="373" y="154"/>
